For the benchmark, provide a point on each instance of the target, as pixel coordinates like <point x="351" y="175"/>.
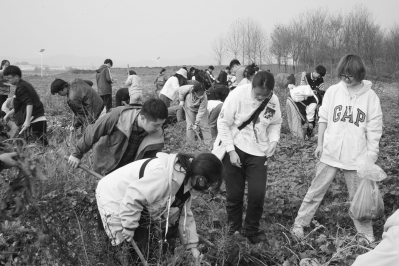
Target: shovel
<point x="136" y="248"/>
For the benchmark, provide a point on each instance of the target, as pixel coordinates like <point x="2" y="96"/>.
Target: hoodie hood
<point x="101" y="68"/>
<point x="168" y="161"/>
<point x="351" y="100"/>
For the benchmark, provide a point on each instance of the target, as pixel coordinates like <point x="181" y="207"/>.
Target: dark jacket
<point x="25" y="95"/>
<point x="222" y="78"/>
<point x="4" y="89"/>
<point x="103" y="78"/>
<point x="84" y="102"/>
<point x="111" y="133"/>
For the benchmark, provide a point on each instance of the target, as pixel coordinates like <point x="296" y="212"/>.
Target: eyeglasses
<point x="343" y="76"/>
<point x="9" y="77"/>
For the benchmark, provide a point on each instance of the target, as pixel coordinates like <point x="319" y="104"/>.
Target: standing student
<point x="160" y="81"/>
<point x="4" y="85"/>
<point x="104" y="83"/>
<point x="135" y="88"/>
<point x="214" y="107"/>
<point x="28" y="109"/>
<point x="350" y="126"/>
<point x="169" y="91"/>
<point x="83" y="100"/>
<point x="195" y="101"/>
<point x="122" y="136"/>
<point x="222" y="78"/>
<point x="209" y="71"/>
<point x="148" y="192"/>
<point x="249" y="129"/>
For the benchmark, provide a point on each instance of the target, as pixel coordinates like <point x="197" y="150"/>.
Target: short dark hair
<point x="185" y="68"/>
<point x="12" y="70"/>
<point x="162" y="70"/>
<point x="108" y="61"/>
<point x="211" y="67"/>
<point x="321" y="70"/>
<point x="3" y="63"/>
<point x="353" y="65"/>
<point x="154" y="109"/>
<point x="191" y="69"/>
<point x="227" y="68"/>
<point x="234" y="62"/>
<point x="132" y="72"/>
<point x="198" y="87"/>
<point x="263" y="79"/>
<point x="58" y="85"/>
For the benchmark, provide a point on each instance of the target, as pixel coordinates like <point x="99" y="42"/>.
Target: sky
<point x="135" y="30"/>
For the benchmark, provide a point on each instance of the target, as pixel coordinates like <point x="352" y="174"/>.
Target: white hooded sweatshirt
<point x="354" y="125"/>
<point x="238" y="108"/>
<point x="121" y="196"/>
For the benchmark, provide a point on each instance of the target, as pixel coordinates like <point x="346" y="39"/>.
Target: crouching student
<point x="386" y="253"/>
<point x="214" y="107"/>
<point x="84" y="101"/>
<point x="122" y="97"/>
<point x="195" y="102"/>
<point x="156" y="190"/>
<point x="350" y="126"/>
<point x="28" y="110"/>
<point x="249" y="128"/>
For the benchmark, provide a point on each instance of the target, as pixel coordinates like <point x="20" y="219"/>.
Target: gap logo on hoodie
<point x="339" y="115"/>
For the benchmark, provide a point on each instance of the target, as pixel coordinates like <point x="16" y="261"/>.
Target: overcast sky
<point x="135" y="30"/>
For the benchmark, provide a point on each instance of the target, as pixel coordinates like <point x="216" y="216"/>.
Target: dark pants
<point x="39" y="132"/>
<point x="165" y="99"/>
<point x="254" y="171"/>
<point x="107" y="99"/>
<point x="3" y="98"/>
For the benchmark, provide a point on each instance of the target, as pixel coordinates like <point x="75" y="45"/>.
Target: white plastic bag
<point x="367" y="203"/>
<point x="219" y="149"/>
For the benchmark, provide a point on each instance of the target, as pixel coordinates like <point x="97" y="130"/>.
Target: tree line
<point x="314" y="37"/>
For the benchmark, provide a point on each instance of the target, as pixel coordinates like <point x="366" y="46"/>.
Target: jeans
<point x="325" y="175"/>
<point x="254" y="171"/>
<point x="203" y="125"/>
<point x="213" y="119"/>
<point x="107" y="99"/>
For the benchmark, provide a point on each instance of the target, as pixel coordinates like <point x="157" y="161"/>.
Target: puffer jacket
<point x="84" y="102"/>
<point x="122" y="195"/>
<point x="104" y="80"/>
<point x="111" y="135"/>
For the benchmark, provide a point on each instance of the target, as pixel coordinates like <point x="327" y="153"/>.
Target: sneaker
<point x="297" y="230"/>
<point x="256" y="237"/>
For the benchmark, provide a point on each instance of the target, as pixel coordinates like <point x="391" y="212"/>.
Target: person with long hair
<point x="156" y="191"/>
<point x="169" y="91"/>
<point x="4" y="85"/>
<point x="249" y="128"/>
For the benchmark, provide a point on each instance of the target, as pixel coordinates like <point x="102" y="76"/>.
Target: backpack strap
<point x="256" y="114"/>
<point x="141" y="173"/>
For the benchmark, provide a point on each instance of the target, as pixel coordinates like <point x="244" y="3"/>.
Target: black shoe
<point x="255" y="237"/>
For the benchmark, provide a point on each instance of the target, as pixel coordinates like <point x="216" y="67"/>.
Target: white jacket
<point x="354" y="125"/>
<point x="170" y="87"/>
<point x="238" y="108"/>
<point x="135" y="85"/>
<point x="387" y="251"/>
<point x="121" y="196"/>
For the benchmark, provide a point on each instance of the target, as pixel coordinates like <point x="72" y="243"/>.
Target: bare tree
<point x="233" y="40"/>
<point x="218" y="49"/>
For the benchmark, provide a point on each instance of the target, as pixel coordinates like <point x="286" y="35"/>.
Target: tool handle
<point x="86" y="169"/>
<point x="138" y="251"/>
